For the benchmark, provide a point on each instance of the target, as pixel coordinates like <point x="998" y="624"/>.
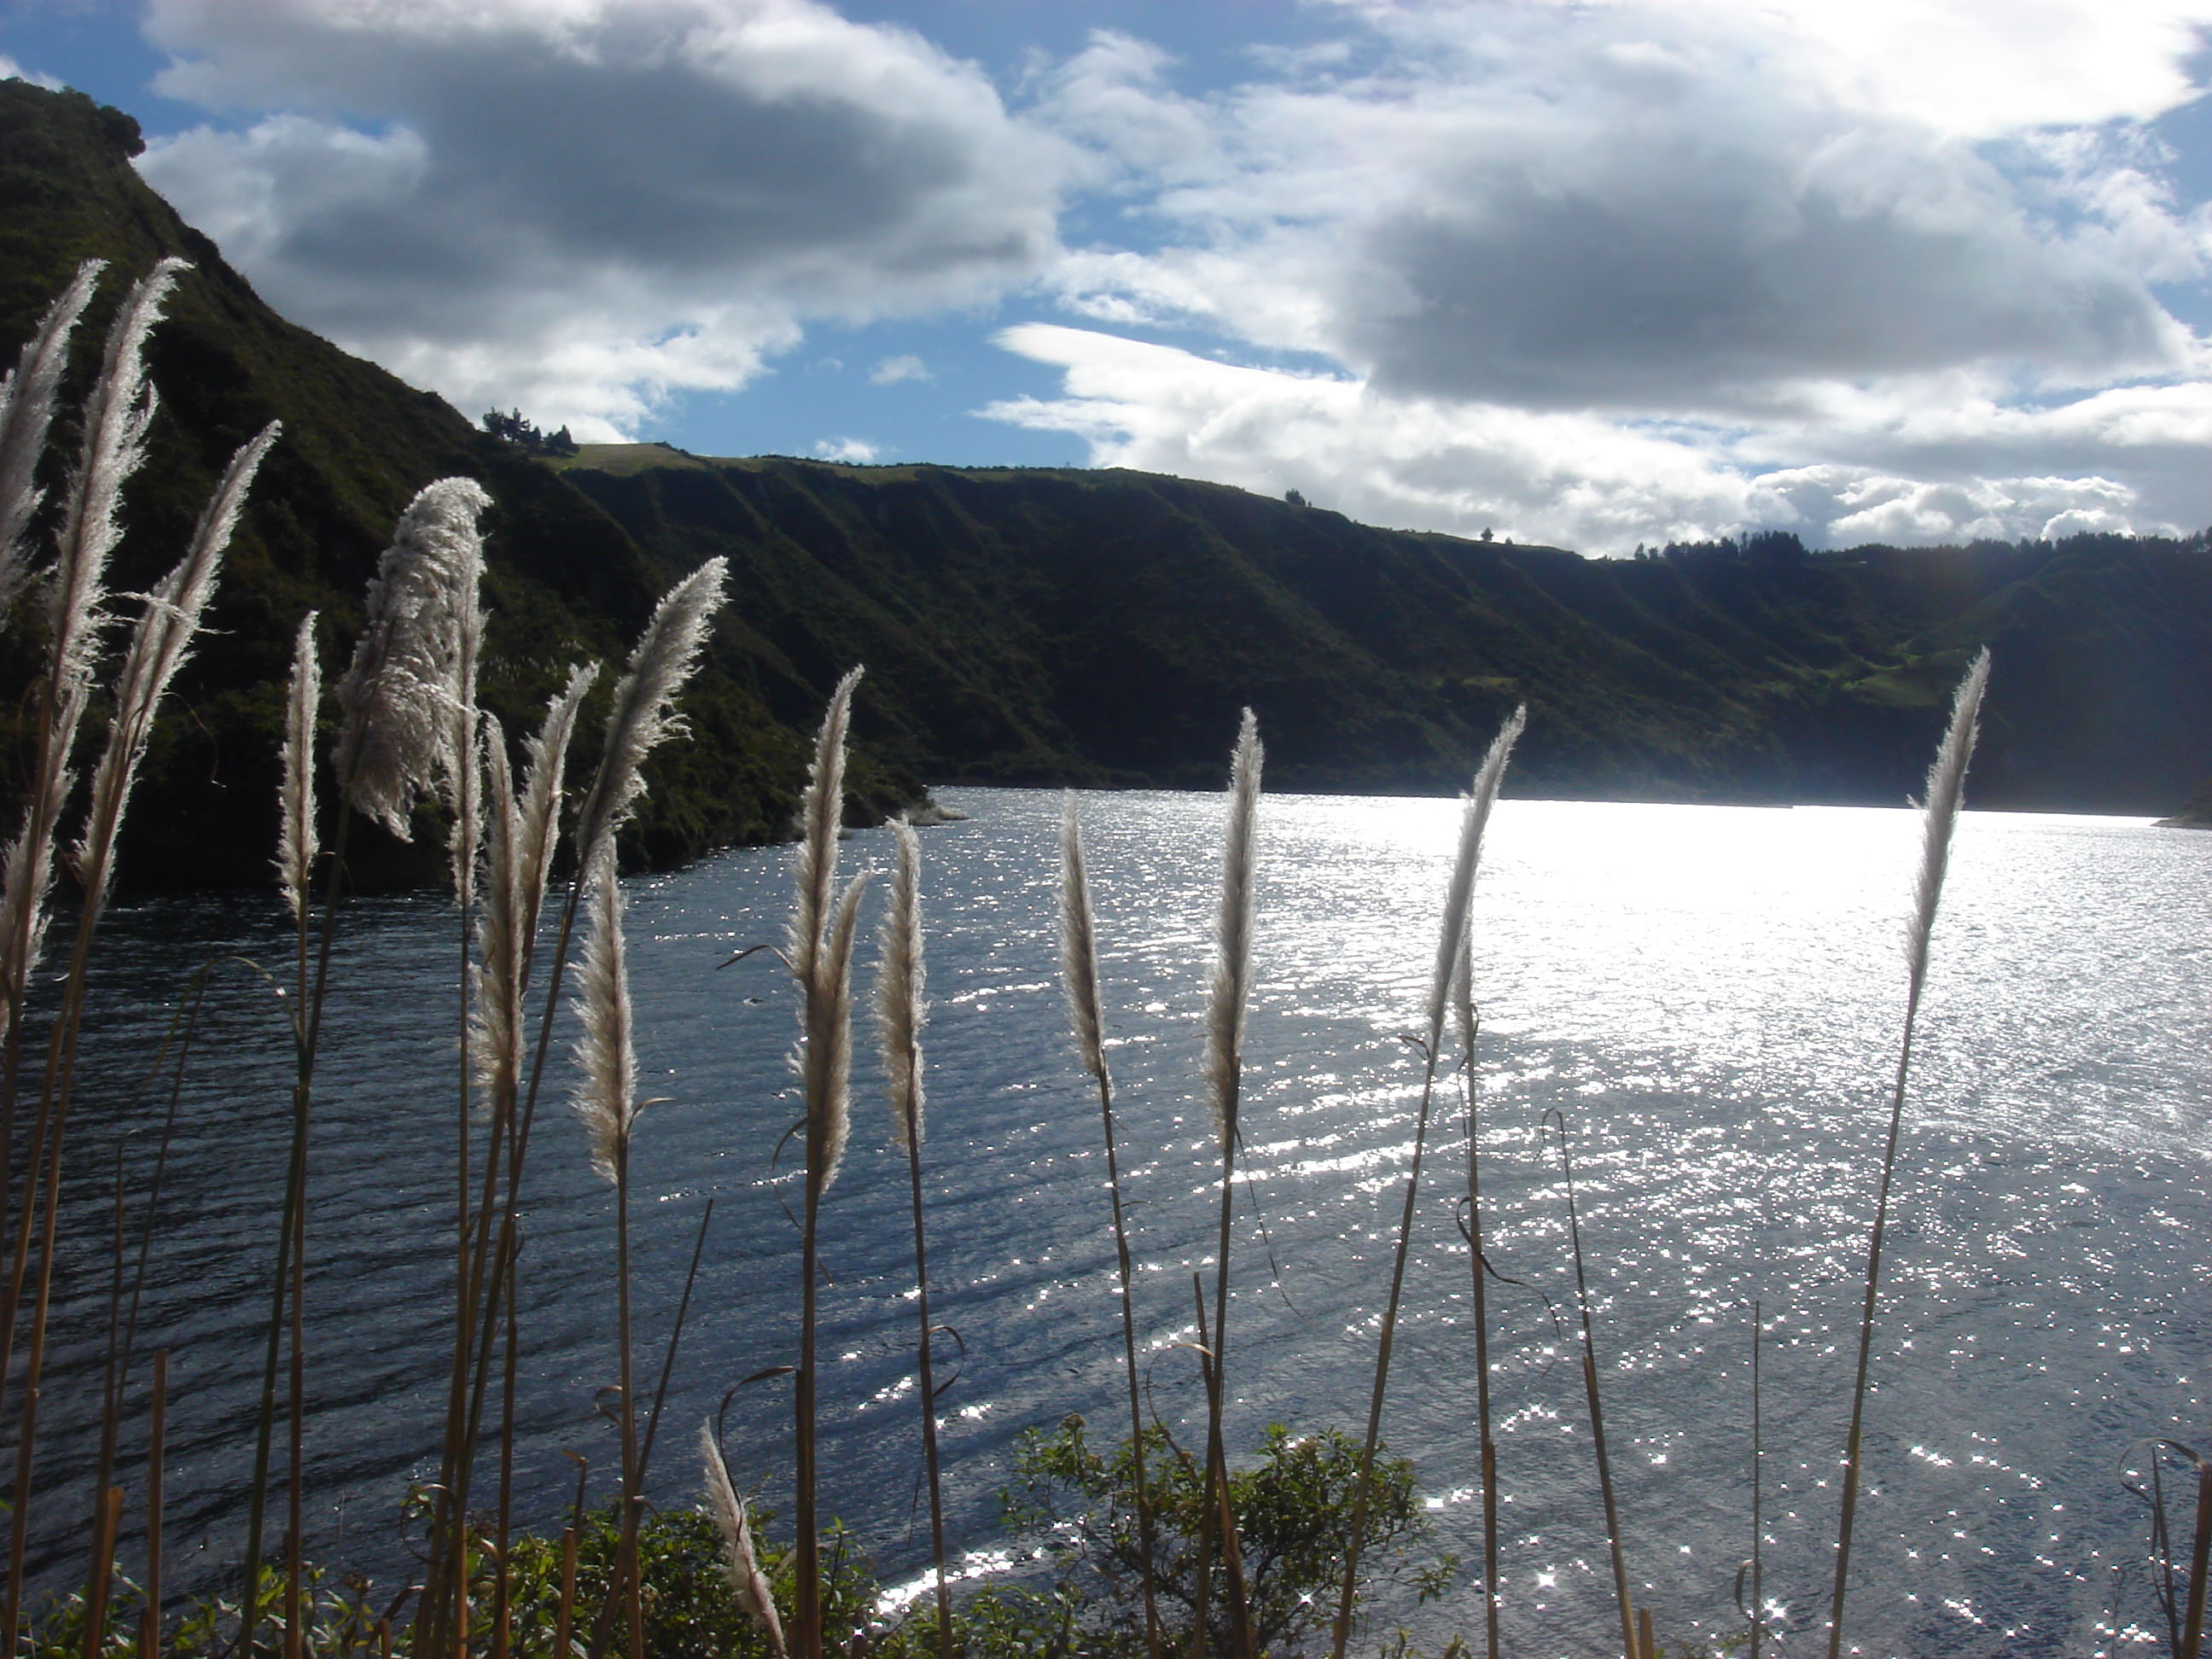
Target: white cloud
<point x="1601" y="485"/>
<point x="578" y="205"/>
<point x="12" y="71"/>
<point x="1647" y="207"/>
<point x="892" y="370"/>
<point x="852" y="451"/>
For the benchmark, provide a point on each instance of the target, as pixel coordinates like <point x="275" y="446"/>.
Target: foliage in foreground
<point x="1072" y="1503"/>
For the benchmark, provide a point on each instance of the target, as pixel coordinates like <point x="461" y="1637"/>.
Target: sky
<point x="1595" y="273"/>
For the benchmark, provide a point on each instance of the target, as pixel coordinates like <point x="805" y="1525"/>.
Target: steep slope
<point x="566" y="582"/>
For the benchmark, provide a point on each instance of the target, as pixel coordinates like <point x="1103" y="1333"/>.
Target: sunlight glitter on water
<point x="1708" y="996"/>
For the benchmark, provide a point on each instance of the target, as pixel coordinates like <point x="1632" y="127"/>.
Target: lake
<point x="1709" y="997"/>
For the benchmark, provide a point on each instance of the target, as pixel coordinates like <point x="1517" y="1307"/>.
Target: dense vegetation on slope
<point x="1030" y="625"/>
<point x="565" y="582"/>
<point x="1033" y="625"/>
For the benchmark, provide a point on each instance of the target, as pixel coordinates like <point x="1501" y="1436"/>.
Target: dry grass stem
<point x="1450" y="963"/>
<point x="1947" y="782"/>
<point x="821" y="812"/>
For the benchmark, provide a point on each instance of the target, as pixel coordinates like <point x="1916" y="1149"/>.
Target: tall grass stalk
<point x="117" y="413"/>
<point x="821" y="1059"/>
<point x="606" y="1100"/>
<point x="1451" y="945"/>
<point x="1225" y="1072"/>
<point x="640" y="714"/>
<point x="1078" y="962"/>
<point x="1947" y="783"/>
<point x="902" y="1010"/>
<point x="1630" y="1645"/>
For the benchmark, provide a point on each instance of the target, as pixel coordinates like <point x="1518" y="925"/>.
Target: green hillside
<point x="1027" y="625"/>
<point x="1044" y="626"/>
<point x="565" y="581"/>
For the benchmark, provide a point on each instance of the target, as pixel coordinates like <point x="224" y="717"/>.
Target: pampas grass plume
<point x="1475" y="818"/>
<point x="1947" y="782"/>
<point x="821" y="810"/>
<point x="159" y="645"/>
<point x="829" y="1038"/>
<point x="297" y="843"/>
<point x="901" y="1008"/>
<point x="116" y="417"/>
<point x="747" y="1582"/>
<point x="1078" y="944"/>
<point x="643" y="711"/>
<point x="606" y="1098"/>
<point x="398" y="739"/>
<point x="27" y="411"/>
<point x="1233" y="961"/>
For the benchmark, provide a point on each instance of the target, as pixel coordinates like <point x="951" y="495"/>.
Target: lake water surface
<point x="1709" y="997"/>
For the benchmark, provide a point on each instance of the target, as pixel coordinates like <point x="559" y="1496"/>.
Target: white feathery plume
<point x="297" y="843"/>
<point x="1232" y="960"/>
<point x="397" y="737"/>
<point x="464" y="771"/>
<point x="643" y="710"/>
<point x="521" y="832"/>
<point x="747" y="1582"/>
<point x="159" y="645"/>
<point x="902" y="1007"/>
<point x="829" y="1061"/>
<point x="539" y="826"/>
<point x="496" y="1010"/>
<point x="606" y="1098"/>
<point x="821" y="811"/>
<point x="1947" y="782"/>
<point x="1079" y="945"/>
<point x="27" y="411"/>
<point x="116" y="416"/>
<point x="1475" y="818"/>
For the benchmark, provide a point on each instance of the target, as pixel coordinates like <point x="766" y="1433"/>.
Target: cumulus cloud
<point x="1583" y="480"/>
<point x="578" y="205"/>
<point x="852" y="451"/>
<point x="1646" y="206"/>
<point x="1606" y="271"/>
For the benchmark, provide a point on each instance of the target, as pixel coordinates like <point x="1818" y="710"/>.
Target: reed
<point x="1227" y="996"/>
<point x="817" y="948"/>
<point x="1078" y="961"/>
<point x="117" y="413"/>
<point x="902" y="1010"/>
<point x="1947" y="783"/>
<point x="1451" y="945"/>
<point x="606" y="1100"/>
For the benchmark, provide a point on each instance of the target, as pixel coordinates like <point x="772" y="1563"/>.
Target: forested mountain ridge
<point x="1047" y="626"/>
<point x="1030" y="625"/>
